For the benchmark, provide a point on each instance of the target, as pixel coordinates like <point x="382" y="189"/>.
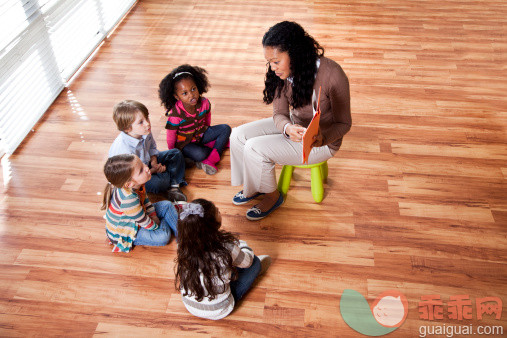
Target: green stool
<point x="319" y="174"/>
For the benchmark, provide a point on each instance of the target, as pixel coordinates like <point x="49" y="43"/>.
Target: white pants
<point x="255" y="149"/>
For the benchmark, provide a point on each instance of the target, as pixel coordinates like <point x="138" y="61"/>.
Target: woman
<point x="296" y="70"/>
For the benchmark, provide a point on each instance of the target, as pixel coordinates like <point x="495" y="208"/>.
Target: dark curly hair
<point x="166" y="89"/>
<point x="202" y="249"/>
<point x="303" y="52"/>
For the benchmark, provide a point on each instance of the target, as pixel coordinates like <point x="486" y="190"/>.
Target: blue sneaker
<point x="255" y="214"/>
<point x="239" y="198"/>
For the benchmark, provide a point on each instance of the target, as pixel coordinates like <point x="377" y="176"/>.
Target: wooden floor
<point x="416" y="199"/>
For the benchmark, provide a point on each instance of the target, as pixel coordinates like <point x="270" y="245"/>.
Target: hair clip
<point x="191" y="209"/>
<point x="181" y="73"/>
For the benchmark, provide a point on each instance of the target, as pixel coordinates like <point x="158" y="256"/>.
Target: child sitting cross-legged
<point x="189" y="118"/>
<point x="131" y="219"/>
<point x="167" y="167"/>
<point x="213" y="268"/>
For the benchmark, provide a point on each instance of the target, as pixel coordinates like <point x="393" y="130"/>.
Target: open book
<point x="312" y="129"/>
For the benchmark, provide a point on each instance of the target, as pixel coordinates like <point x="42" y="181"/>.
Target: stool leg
<point x="285" y="177"/>
<point x="324" y="170"/>
<point x="317" y="186"/>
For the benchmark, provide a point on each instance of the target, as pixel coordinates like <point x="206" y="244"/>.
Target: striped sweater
<point x="223" y="304"/>
<point x="127" y="211"/>
<point x="183" y="128"/>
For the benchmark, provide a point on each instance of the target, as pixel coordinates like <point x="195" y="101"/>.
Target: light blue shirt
<point x="144" y="148"/>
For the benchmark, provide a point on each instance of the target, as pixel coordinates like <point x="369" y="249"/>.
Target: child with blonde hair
<point x="213" y="268"/>
<point x="131" y="219"/>
<point x="189" y="118"/>
<point x="167" y="167"/>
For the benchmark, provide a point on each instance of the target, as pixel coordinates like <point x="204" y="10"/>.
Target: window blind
<point x="42" y="44"/>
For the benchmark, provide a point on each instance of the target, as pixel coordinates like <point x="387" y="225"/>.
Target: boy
<point x="167" y="167"/>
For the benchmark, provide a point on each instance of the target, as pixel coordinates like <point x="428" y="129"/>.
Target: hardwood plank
<point x="492" y="151"/>
<point x="61" y="285"/>
<point x="18" y="326"/>
<point x="115" y="330"/>
<point x="415" y="200"/>
<point x="107" y="263"/>
<point x="479" y="214"/>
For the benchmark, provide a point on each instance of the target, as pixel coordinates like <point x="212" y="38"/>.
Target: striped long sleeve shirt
<point x="183" y="128"/>
<point x="128" y="210"/>
<point x="223" y="304"/>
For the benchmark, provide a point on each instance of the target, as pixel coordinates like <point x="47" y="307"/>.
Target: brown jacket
<point x="335" y="119"/>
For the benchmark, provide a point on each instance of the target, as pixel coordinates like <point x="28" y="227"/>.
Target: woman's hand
<point x="318" y="140"/>
<point x="295" y="132"/>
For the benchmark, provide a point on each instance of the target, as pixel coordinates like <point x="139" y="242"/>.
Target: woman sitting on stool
<point x="296" y="70"/>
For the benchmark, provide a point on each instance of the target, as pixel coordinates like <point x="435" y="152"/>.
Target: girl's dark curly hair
<point x="166" y="89"/>
<point x="303" y="52"/>
<point x="202" y="249"/>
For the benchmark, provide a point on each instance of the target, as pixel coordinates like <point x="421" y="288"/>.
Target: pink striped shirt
<point x="183" y="127"/>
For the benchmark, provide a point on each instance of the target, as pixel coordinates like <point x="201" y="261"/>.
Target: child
<point x="167" y="167"/>
<point x="189" y="118"/>
<point x="207" y="260"/>
<point x="130" y="217"/>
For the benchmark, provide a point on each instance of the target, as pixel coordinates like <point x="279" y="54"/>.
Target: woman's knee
<point x="236" y="135"/>
<point x="248" y="147"/>
<point x="241" y="133"/>
<point x="254" y="146"/>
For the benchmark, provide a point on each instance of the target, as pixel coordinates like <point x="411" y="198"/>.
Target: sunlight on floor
<point x="77" y="108"/>
<point x="6" y="172"/>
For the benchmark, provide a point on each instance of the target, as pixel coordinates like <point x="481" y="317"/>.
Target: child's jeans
<point x="174" y="175"/>
<point x="168" y="221"/>
<point x="245" y="279"/>
<point x="198" y="152"/>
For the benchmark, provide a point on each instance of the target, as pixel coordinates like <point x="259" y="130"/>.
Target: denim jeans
<point x="245" y="279"/>
<point x="173" y="175"/>
<point x="198" y="152"/>
<point x="168" y="222"/>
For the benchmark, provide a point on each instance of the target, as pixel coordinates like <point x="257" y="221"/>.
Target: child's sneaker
<point x="174" y="194"/>
<point x="209" y="169"/>
<point x="265" y="263"/>
<point x="209" y="165"/>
